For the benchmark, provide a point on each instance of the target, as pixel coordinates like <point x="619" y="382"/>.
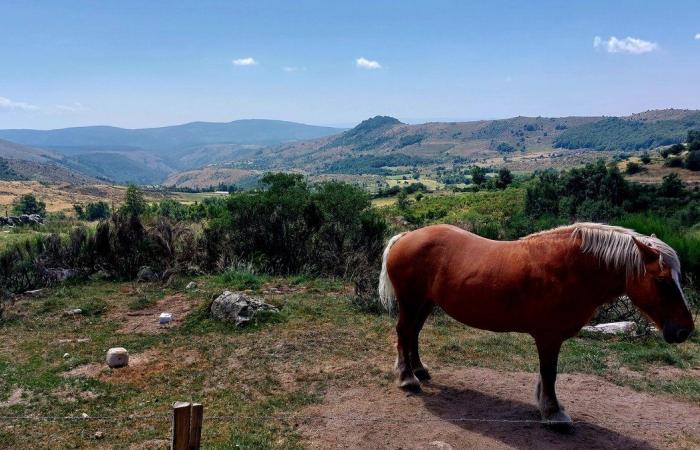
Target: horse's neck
<point x="604" y="281"/>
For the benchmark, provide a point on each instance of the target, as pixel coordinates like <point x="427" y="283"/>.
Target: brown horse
<point x="547" y="284"/>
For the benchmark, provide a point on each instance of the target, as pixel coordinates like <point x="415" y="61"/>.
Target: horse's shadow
<point x="450" y="404"/>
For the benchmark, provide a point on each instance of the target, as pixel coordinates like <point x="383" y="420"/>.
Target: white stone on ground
<point x="117" y="357"/>
<point x="612" y="328"/>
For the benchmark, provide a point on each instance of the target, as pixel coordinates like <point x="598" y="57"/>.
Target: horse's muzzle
<point x="674" y="334"/>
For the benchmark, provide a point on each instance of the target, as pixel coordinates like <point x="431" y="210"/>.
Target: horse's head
<point x="657" y="292"/>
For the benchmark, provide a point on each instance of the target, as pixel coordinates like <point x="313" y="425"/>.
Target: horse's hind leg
<point x="419" y="370"/>
<point x="404" y="332"/>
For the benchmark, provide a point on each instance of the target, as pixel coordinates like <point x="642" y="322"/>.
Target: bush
<point x="92" y="211"/>
<point x="28" y="204"/>
<point x="692" y="161"/>
<point x="134" y="201"/>
<point x="632" y="168"/>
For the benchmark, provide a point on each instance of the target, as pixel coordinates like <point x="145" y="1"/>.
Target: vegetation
<point x="28" y="204"/>
<point x="614" y="133"/>
<point x="92" y="211"/>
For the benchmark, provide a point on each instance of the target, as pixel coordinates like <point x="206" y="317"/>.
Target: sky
<point x="149" y="63"/>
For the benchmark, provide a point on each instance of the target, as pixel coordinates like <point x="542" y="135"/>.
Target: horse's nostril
<point x="682" y="334"/>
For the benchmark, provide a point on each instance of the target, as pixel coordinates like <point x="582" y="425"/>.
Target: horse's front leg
<point x="550" y="408"/>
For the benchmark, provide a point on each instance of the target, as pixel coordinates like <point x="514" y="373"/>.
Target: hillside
<point x="384" y="141"/>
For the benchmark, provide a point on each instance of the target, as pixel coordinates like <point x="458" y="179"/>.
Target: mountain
<point x="169" y="141"/>
<point x="149" y="155"/>
<point x="18" y="162"/>
<point x="386" y="142"/>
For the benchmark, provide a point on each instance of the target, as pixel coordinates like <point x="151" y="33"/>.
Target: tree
<point x="633" y="167"/>
<point x="96" y="211"/>
<point x="645" y="158"/>
<point x="28" y="204"/>
<point x="478" y="175"/>
<point x="504" y="178"/>
<point x="671" y="186"/>
<point x="693" y="140"/>
<point x="692" y="161"/>
<point x="134" y="201"/>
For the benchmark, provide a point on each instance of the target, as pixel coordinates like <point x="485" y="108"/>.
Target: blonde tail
<point x="387" y="296"/>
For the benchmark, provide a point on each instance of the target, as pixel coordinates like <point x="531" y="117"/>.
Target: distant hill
<point x="19" y="162"/>
<point x="386" y="142"/>
<point x="149" y="155"/>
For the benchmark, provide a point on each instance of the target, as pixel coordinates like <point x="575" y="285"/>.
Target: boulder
<point x="238" y="308"/>
<point x="145" y="273"/>
<point x="117" y="357"/>
<point x="191" y="285"/>
<point x="627" y="327"/>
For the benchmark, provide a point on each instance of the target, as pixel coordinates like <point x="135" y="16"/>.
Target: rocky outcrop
<point x="238" y="308"/>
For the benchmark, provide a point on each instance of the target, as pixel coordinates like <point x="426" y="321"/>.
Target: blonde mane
<point x="614" y="245"/>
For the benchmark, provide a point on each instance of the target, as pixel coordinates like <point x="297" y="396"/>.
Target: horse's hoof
<point x="559" y="421"/>
<point x="410" y="385"/>
<point x="422" y="374"/>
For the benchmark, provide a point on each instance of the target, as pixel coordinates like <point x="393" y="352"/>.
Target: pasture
<point x="318" y="375"/>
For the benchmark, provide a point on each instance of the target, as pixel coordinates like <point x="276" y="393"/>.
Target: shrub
<point x="134" y="201"/>
<point x="692" y="161"/>
<point x="633" y="167"/>
<point x="92" y="211"/>
<point x="28" y="204"/>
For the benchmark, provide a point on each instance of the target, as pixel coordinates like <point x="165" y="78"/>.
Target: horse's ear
<point x="649" y="254"/>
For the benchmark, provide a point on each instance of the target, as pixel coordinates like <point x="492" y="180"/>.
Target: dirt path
<point x="605" y="415"/>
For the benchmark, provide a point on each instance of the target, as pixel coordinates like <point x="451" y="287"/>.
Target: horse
<point x="548" y="284"/>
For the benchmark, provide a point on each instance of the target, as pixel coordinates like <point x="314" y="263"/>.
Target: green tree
<point x="692" y="161"/>
<point x="693" y="140"/>
<point x="645" y="158"/>
<point x="505" y="178"/>
<point x="671" y="186"/>
<point x="134" y="201"/>
<point x="28" y="204"/>
<point x="96" y="211"/>
<point x="633" y="167"/>
<point x="478" y="175"/>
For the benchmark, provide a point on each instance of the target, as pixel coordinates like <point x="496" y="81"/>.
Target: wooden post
<point x="181" y="426"/>
<point x="196" y="426"/>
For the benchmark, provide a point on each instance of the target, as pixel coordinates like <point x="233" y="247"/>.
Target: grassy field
<point x="51" y="364"/>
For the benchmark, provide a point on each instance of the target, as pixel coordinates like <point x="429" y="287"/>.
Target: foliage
<point x="614" y="133"/>
<point x="7" y="173"/>
<point x="28" y="204"/>
<point x="92" y="211"/>
<point x="505" y="178"/>
<point x="371" y="164"/>
<point x="505" y="147"/>
<point x="478" y="175"/>
<point x="633" y="167"/>
<point x="134" y="201"/>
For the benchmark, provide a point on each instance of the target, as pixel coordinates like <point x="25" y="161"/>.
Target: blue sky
<point x="151" y="63"/>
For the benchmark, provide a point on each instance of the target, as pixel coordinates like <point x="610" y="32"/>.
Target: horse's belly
<point x="492" y="319"/>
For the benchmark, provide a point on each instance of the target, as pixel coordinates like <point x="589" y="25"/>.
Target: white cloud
<point x="697" y="37"/>
<point x="10" y="105"/>
<point x="293" y="69"/>
<point x="629" y="44"/>
<point x="75" y="107"/>
<point x="245" y="62"/>
<point x="364" y="63"/>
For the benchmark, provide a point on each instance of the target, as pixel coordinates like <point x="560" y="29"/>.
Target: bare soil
<point x="146" y="321"/>
<point x="605" y="415"/>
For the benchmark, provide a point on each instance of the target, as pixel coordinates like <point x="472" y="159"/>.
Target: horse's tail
<point x="387" y="296"/>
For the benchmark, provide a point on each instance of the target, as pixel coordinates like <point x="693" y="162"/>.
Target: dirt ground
<point x="605" y="415"/>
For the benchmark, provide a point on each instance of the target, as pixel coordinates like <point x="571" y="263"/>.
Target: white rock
<point x="165" y="318"/>
<point x="612" y="328"/>
<point x="191" y="285"/>
<point x="66" y="355"/>
<point x="117" y="357"/>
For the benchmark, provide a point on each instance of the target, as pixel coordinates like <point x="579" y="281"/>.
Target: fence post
<point x="181" y="426"/>
<point x="196" y="426"/>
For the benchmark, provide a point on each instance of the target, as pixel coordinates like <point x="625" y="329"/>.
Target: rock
<point x="73" y="312"/>
<point x="117" y="357"/>
<point x="238" y="308"/>
<point x="145" y="273"/>
<point x="191" y="285"/>
<point x="165" y="318"/>
<point x="627" y="327"/>
<point x="58" y="275"/>
<point x="34" y="292"/>
<point x="66" y="355"/>
<point x="99" y="435"/>
<point x="102" y="274"/>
